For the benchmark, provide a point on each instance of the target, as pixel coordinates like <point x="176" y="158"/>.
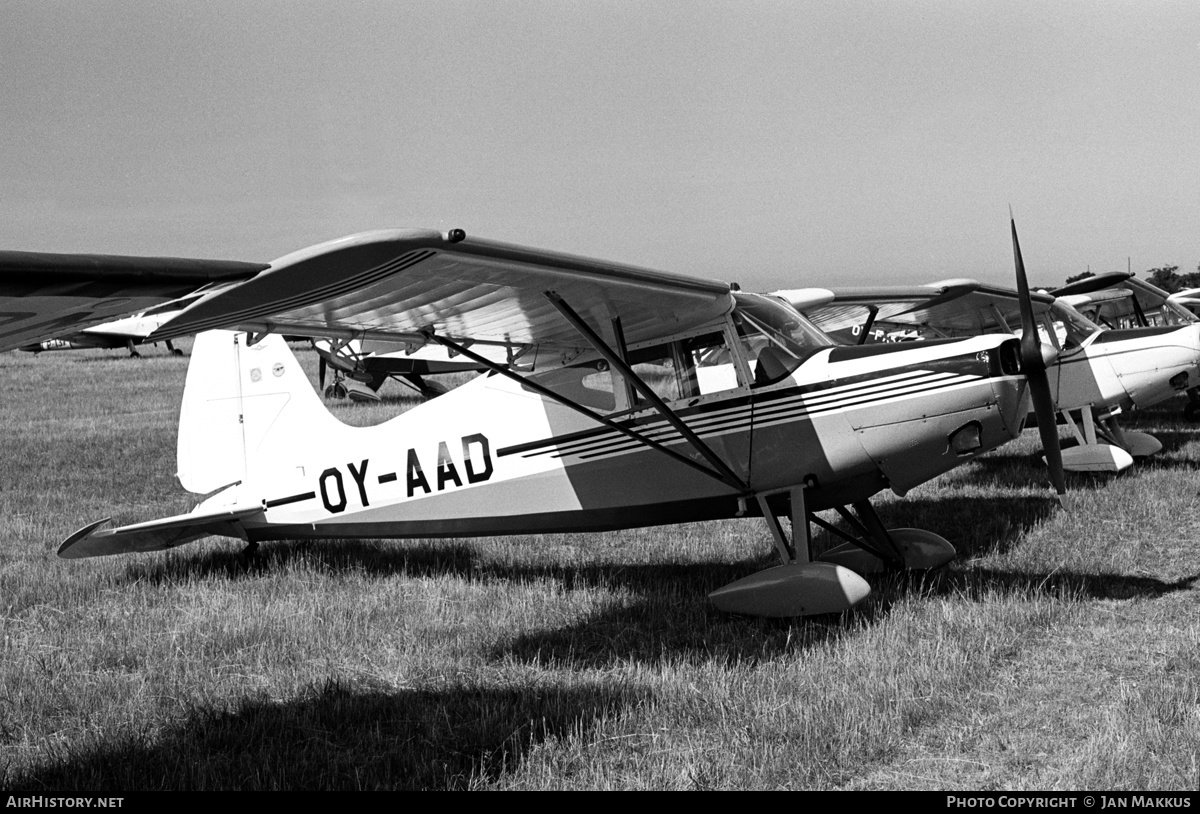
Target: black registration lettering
<point x="339" y="505"/>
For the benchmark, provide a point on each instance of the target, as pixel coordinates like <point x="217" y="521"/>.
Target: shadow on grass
<point x="339" y="737"/>
<point x="977" y="584"/>
<point x="974" y="526"/>
<point x="1012" y="471"/>
<point x="661" y="610"/>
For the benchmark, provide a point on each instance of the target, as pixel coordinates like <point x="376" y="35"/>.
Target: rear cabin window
<point x="681" y="369"/>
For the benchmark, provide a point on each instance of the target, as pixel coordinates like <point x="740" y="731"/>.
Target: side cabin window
<point x="689" y="366"/>
<point x="761" y="342"/>
<point x="588" y="383"/>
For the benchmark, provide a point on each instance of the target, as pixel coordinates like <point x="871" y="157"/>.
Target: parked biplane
<point x="626" y="398"/>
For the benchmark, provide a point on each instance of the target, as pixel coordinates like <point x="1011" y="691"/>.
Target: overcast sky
<point x="771" y="143"/>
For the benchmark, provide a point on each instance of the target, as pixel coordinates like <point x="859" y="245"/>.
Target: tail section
<point x="240" y="402"/>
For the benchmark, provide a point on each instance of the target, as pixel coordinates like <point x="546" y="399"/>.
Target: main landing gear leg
<point x="799" y="587"/>
<point x="877" y="549"/>
<point x="133" y="354"/>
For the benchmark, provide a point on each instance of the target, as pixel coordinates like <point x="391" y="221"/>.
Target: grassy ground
<point x="1060" y="651"/>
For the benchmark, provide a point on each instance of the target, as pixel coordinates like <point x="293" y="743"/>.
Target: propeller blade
<point x="321" y="373"/>
<point x="1034" y="366"/>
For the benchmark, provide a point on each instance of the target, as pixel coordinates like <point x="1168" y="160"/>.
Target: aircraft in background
<point x="361" y="367"/>
<point x="126" y="332"/>
<point x="1096" y="373"/>
<point x="43" y="296"/>
<point x="1121" y="301"/>
<point x="1189" y="299"/>
<point x="627" y="398"/>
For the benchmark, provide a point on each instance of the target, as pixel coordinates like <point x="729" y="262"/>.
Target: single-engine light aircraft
<point x="626" y="398"/>
<point x="1121" y="301"/>
<point x="1095" y="372"/>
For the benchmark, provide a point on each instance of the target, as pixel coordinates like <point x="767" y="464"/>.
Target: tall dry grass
<point x="1058" y="652"/>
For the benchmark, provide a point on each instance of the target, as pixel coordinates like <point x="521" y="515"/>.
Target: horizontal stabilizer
<point x="155" y="535"/>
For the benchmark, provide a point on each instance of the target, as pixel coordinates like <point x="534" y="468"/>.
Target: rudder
<point x="238" y="402"/>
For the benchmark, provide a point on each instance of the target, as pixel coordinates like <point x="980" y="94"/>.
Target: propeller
<point x="321" y="373"/>
<point x="1034" y="365"/>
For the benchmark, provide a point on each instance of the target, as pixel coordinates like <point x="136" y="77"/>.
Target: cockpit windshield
<point x="777" y="336"/>
<point x="1175" y="314"/>
<point x="1071" y="327"/>
<point x="783" y="324"/>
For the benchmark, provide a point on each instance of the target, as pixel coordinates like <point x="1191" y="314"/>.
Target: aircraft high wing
<point x="1096" y="372"/>
<point x="1120" y="300"/>
<point x="44" y="296"/>
<point x="127" y="332"/>
<point x="1188" y="299"/>
<point x="626" y="398"/>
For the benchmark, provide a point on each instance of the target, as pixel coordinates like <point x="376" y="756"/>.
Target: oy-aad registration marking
<point x="476" y="467"/>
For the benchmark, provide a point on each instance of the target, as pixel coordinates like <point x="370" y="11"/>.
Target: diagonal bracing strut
<point x="617" y="363"/>
<point x="735" y="482"/>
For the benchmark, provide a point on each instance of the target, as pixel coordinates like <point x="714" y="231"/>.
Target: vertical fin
<point x="240" y="403"/>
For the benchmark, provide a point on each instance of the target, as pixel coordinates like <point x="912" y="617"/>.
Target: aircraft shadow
<point x="340" y="736"/>
<point x="663" y="610"/>
<point x="974" y="583"/>
<point x="975" y="527"/>
<point x="1022" y="471"/>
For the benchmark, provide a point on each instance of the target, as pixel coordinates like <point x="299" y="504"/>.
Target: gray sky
<point x="771" y="143"/>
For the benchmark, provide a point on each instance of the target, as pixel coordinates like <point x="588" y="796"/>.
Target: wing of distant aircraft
<point x="43" y="296"/>
<point x="625" y="397"/>
<point x="950" y="308"/>
<point x="1120" y="300"/>
<point x="126" y="332"/>
<point x="1095" y="373"/>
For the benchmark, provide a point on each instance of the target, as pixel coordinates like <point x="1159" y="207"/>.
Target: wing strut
<point x="735" y="483"/>
<point x="618" y="363"/>
<point x="873" y="311"/>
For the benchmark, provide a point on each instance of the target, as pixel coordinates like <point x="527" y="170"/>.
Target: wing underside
<point x="44" y="296"/>
<point x="404" y="284"/>
<point x="952" y="308"/>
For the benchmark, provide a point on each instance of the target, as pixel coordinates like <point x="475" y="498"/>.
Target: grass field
<point x="1060" y="651"/>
